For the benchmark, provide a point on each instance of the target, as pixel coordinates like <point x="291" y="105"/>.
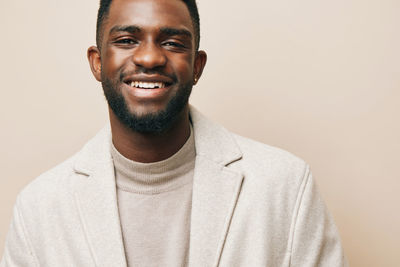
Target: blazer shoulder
<point x="51" y="184"/>
<point x="269" y="163"/>
<point x="57" y="184"/>
<point x="264" y="152"/>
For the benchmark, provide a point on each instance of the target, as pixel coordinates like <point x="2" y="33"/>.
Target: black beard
<point x="149" y="123"/>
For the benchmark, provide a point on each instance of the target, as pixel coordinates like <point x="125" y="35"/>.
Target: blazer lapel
<point x="215" y="192"/>
<point x="216" y="189"/>
<point x="96" y="200"/>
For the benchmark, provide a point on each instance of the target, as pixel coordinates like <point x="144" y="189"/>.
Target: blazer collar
<point x="215" y="192"/>
<point x="212" y="140"/>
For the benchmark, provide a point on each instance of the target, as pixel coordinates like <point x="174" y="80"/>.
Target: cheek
<point x="114" y="63"/>
<point x="183" y="66"/>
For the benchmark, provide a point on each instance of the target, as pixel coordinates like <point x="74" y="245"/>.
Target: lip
<point x="148" y="94"/>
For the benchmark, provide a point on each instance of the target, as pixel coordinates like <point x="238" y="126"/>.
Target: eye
<point x="173" y="44"/>
<point x="126" y="41"/>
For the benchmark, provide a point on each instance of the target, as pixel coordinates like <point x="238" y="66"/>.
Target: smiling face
<point x="148" y="62"/>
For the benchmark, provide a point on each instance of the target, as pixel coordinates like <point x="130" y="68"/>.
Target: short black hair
<point x="105" y="8"/>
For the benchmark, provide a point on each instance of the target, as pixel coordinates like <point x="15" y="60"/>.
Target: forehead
<point x="149" y="14"/>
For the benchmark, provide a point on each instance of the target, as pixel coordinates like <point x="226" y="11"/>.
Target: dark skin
<point x="150" y="41"/>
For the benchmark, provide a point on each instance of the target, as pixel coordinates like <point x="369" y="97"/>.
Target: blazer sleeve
<point x="18" y="252"/>
<point x="314" y="238"/>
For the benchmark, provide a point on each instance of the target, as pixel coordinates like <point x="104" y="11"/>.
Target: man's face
<point x="148" y="62"/>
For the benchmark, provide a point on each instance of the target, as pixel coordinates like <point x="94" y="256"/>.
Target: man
<point x="163" y="186"/>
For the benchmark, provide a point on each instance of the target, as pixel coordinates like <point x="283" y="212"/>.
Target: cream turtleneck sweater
<point x="154" y="201"/>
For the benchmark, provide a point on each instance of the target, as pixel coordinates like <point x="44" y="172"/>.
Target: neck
<point x="150" y="147"/>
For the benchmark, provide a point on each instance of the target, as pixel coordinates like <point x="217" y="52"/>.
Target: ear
<point x="199" y="64"/>
<point x="94" y="58"/>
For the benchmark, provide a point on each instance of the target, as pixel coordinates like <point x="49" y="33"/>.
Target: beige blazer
<point x="253" y="205"/>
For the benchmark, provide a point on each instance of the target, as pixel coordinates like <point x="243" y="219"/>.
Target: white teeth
<point x="147" y="85"/>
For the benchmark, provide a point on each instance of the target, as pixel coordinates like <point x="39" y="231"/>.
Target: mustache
<point x="124" y="74"/>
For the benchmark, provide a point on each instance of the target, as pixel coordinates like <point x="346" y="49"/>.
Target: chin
<point x="144" y="110"/>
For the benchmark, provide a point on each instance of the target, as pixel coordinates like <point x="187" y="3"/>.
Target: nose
<point x="148" y="55"/>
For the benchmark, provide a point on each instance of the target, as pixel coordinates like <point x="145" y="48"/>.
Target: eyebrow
<point x="174" y="31"/>
<point x="125" y="28"/>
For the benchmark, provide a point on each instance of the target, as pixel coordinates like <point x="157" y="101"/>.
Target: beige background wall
<point x="318" y="78"/>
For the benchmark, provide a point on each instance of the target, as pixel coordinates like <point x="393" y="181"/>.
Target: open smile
<point x="148" y="89"/>
<point x="148" y="85"/>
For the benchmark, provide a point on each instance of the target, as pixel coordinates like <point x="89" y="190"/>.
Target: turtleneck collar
<point x="155" y="177"/>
